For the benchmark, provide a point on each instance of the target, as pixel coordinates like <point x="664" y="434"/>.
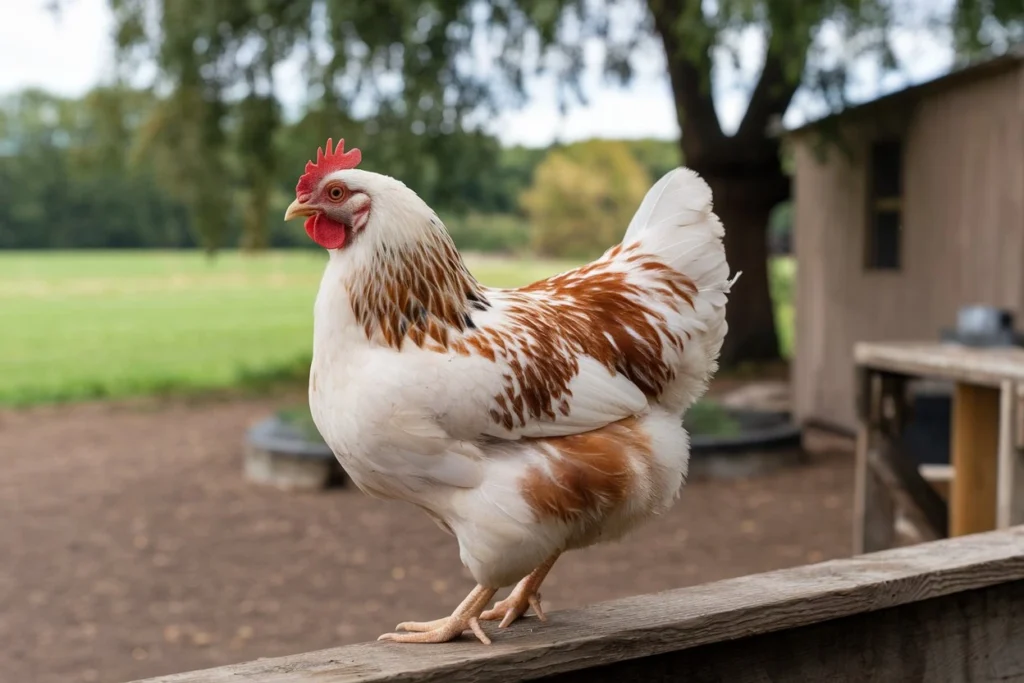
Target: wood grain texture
<point x="873" y="510"/>
<point x="985" y="367"/>
<point x="673" y="621"/>
<point x="975" y="445"/>
<point x="874" y="517"/>
<point x="972" y="636"/>
<point x="1010" y="502"/>
<point x="1018" y="428"/>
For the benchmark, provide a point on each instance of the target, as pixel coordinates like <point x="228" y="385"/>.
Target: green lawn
<point x="76" y="325"/>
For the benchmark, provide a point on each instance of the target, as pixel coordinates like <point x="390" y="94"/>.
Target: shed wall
<point x="963" y="234"/>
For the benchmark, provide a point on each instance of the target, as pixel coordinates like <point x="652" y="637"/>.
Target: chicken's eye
<point x="336" y="193"/>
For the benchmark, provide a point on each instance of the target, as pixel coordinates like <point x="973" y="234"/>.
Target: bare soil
<point x="131" y="546"/>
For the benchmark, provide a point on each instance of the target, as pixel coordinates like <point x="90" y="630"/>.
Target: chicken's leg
<point x="464" y="617"/>
<point x="524" y="596"/>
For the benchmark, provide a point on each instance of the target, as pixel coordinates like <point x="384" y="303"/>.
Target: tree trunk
<point x="744" y="170"/>
<point x="744" y="202"/>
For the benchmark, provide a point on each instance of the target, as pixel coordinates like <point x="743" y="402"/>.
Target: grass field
<point x="80" y="325"/>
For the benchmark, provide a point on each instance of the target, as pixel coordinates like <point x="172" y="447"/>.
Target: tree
<point x="67" y="179"/>
<point x="582" y="196"/>
<point x="431" y="67"/>
<point x="658" y="156"/>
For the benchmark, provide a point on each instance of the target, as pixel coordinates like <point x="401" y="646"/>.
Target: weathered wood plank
<point x="873" y="513"/>
<point x="986" y="367"/>
<point x="672" y="621"/>
<point x="1010" y="503"/>
<point x="1018" y="428"/>
<point x="975" y="441"/>
<point x="972" y="636"/>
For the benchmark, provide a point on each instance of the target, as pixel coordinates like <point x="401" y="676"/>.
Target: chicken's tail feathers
<point x="676" y="222"/>
<point x="680" y="196"/>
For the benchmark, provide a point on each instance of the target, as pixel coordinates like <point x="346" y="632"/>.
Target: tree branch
<point x="771" y="97"/>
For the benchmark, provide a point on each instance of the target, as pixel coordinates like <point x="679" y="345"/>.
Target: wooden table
<point x="987" y="488"/>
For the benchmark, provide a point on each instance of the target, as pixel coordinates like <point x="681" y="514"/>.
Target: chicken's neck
<point x="421" y="293"/>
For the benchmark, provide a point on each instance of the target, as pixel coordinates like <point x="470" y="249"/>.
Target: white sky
<point x="71" y="54"/>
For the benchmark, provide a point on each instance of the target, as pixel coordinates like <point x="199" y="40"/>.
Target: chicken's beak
<point x="297" y="209"/>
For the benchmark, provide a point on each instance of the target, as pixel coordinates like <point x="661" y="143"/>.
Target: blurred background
<point x="154" y="307"/>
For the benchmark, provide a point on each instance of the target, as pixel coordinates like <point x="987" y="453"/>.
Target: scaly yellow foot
<point x="524" y="596"/>
<point x="465" y="617"/>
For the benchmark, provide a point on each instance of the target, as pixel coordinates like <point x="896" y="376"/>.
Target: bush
<point x="583" y="197"/>
<point x="492" y="233"/>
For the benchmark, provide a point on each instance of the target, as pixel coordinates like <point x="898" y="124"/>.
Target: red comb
<point x="336" y="160"/>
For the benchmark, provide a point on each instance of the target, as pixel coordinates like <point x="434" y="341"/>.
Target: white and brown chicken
<point x="526" y="422"/>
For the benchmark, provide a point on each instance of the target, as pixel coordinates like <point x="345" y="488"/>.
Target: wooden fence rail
<point x="949" y="610"/>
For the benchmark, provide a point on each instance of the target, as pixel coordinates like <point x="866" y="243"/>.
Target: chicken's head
<point x="399" y="260"/>
<point x="333" y="196"/>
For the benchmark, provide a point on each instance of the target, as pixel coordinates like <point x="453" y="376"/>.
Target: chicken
<point x="526" y="422"/>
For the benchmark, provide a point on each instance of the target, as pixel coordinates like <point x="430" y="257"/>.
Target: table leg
<point x="874" y="513"/>
<point x="974" y="457"/>
<point x="1010" y="504"/>
<point x="874" y="510"/>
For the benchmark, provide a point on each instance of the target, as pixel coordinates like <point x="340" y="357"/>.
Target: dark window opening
<point x="885" y="205"/>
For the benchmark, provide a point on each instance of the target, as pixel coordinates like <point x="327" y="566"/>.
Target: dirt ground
<point x="132" y="547"/>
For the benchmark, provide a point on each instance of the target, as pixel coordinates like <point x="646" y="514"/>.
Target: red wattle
<point x="325" y="232"/>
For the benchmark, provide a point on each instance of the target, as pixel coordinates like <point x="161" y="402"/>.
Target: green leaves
<point x="421" y="75"/>
<point x="982" y="26"/>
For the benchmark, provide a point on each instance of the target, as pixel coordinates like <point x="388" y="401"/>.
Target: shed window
<point x="885" y="203"/>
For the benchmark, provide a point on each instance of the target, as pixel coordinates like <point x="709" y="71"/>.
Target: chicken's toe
<point x="525" y="595"/>
<point x="439" y="631"/>
<point x="513" y="607"/>
<point x="422" y="625"/>
<point x="465" y="617"/>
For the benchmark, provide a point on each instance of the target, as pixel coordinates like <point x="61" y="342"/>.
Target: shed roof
<point x="967" y="73"/>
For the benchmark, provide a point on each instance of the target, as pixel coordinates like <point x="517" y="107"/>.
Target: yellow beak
<point x="297" y="209"/>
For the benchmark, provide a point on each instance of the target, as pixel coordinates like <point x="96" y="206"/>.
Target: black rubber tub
<point x="767" y="441"/>
<point x="281" y="454"/>
<point x="287" y="456"/>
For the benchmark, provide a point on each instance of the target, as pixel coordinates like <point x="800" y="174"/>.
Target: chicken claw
<point x="524" y="596"/>
<point x="465" y="617"/>
<point x="514" y="606"/>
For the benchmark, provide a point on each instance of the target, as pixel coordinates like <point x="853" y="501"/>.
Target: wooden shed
<point x="906" y="208"/>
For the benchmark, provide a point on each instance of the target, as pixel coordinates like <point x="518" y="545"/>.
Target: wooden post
<point x="975" y="447"/>
<point x="902" y="486"/>
<point x="873" y="513"/>
<point x="1010" y="504"/>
